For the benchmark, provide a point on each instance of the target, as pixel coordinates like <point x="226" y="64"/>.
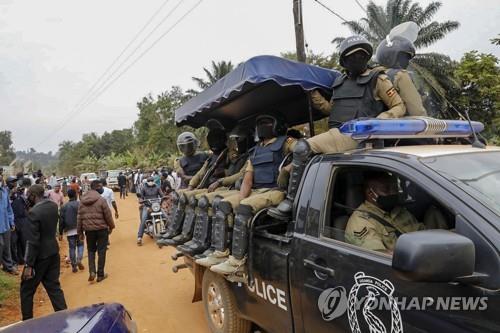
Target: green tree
<point x="7" y="153"/>
<point x="432" y="68"/>
<point x="316" y="59"/>
<point x="479" y="94"/>
<point x="218" y="71"/>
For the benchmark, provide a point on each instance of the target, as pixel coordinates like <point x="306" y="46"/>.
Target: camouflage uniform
<point x="366" y="231"/>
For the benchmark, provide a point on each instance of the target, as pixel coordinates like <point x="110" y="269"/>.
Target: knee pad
<point x="192" y="201"/>
<point x="203" y="203"/>
<point x="302" y="150"/>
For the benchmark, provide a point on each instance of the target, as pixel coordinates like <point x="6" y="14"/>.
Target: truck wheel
<point x="220" y="306"/>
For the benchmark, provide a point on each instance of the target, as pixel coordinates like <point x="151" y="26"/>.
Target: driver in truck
<point x="259" y="190"/>
<point x="363" y="92"/>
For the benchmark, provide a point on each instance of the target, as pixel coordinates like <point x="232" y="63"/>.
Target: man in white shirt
<point x="109" y="195"/>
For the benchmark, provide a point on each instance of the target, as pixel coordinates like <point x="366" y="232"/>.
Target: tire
<point x="217" y="296"/>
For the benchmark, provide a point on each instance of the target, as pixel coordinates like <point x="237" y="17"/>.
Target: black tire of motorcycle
<point x="232" y="322"/>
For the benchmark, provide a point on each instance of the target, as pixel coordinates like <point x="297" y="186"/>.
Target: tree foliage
<point x="7" y="154"/>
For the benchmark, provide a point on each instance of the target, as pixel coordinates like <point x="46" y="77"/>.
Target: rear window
<point x="477" y="173"/>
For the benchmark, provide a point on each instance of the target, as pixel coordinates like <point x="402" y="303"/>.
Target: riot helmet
<point x="270" y="125"/>
<point x="216" y="139"/>
<point x="187" y="143"/>
<point x="355" y="52"/>
<point x="150" y="181"/>
<point x="395" y="53"/>
<point x="240" y="139"/>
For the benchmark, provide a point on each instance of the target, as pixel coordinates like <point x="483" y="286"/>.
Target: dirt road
<point x="140" y="278"/>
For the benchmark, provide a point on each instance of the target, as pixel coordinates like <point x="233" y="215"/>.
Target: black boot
<point x="201" y="234"/>
<point x="187" y="227"/>
<point x="174" y="228"/>
<point x="236" y="262"/>
<point x="301" y="153"/>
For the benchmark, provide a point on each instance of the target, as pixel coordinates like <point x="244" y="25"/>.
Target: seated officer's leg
<point x="171" y="213"/>
<point x="188" y="223"/>
<point x="331" y="142"/>
<point x="236" y="262"/>
<point x="301" y="153"/>
<point x="175" y="226"/>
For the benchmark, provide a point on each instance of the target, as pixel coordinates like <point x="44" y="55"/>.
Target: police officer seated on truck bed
<point x="378" y="222"/>
<point x="362" y="92"/>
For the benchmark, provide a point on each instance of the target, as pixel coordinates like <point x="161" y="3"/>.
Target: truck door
<point x="346" y="288"/>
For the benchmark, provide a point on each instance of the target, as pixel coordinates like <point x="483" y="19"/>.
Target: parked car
<point x="97" y="318"/>
<point x="112" y="179"/>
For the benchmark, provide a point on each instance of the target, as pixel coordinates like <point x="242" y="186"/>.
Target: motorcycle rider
<point x="149" y="191"/>
<point x="362" y="92"/>
<point x="394" y="55"/>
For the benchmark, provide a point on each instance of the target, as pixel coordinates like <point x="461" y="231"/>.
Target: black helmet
<point x="240" y="139"/>
<point x="388" y="51"/>
<point x="216" y="139"/>
<point x="279" y="125"/>
<point x="187" y="143"/>
<point x="11" y="182"/>
<point x="352" y="44"/>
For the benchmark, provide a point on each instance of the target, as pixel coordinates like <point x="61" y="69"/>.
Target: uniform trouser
<point x="97" y="241"/>
<point x="16" y="255"/>
<point x="258" y="199"/>
<point x="47" y="272"/>
<point x="5" y="253"/>
<point x="331" y="142"/>
<point x="123" y="191"/>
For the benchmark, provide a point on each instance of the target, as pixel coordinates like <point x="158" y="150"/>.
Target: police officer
<point x="362" y="92"/>
<point x="395" y="56"/>
<point x="189" y="164"/>
<point x="259" y="190"/>
<point x="378" y="222"/>
<point x="211" y="170"/>
<point x="239" y="141"/>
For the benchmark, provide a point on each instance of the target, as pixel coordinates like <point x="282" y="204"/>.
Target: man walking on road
<point x="56" y="196"/>
<point x="109" y="196"/>
<point x="122" y="183"/>
<point x="94" y="218"/>
<point x="67" y="223"/>
<point x="42" y="254"/>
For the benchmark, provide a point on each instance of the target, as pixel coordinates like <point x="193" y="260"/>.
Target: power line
<point x="360" y="6"/>
<point x="131" y="64"/>
<point x="331" y="11"/>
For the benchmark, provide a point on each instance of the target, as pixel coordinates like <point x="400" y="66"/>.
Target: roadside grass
<point x="8" y="286"/>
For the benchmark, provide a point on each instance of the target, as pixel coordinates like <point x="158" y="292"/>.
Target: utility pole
<point x="299" y="30"/>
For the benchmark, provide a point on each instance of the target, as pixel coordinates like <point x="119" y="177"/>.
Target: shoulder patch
<point x="391" y="92"/>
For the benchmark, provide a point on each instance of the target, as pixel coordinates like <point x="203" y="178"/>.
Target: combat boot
<point x="235" y="265"/>
<point x="174" y="227"/>
<point x="201" y="234"/>
<point x="301" y="153"/>
<point x="220" y="236"/>
<point x="187" y="227"/>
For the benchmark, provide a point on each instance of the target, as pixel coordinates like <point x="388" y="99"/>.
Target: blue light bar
<point x="418" y="127"/>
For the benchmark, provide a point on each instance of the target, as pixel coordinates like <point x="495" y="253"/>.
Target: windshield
<point x="477" y="173"/>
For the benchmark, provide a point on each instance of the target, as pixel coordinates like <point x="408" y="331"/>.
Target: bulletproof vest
<point x="266" y="161"/>
<point x="353" y="98"/>
<point x="236" y="165"/>
<point x="191" y="164"/>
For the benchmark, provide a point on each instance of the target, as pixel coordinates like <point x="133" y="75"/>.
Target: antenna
<point x="476" y="143"/>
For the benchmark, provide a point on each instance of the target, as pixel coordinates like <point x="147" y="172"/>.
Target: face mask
<point x="356" y="63"/>
<point x="151" y="184"/>
<point x="100" y="190"/>
<point x="386" y="202"/>
<point x="403" y="60"/>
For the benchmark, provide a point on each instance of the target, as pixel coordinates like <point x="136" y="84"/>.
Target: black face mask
<point x="100" y="190"/>
<point x="403" y="60"/>
<point x="265" y="131"/>
<point x="388" y="202"/>
<point x="356" y="63"/>
<point x="10" y="186"/>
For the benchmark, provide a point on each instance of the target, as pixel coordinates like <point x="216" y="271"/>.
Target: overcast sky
<point x="52" y="51"/>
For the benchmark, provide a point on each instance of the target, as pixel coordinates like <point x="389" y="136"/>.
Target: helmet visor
<point x="187" y="148"/>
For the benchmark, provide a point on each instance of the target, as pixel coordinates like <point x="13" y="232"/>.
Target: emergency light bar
<point x="417" y="127"/>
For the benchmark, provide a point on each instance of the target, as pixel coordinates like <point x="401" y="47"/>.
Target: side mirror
<point x="433" y="256"/>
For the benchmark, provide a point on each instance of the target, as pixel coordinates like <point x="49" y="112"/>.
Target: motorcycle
<point x="156" y="220"/>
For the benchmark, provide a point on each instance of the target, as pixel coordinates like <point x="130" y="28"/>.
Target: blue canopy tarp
<point x="261" y="84"/>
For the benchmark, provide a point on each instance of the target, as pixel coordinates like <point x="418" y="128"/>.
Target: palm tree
<point x="218" y="71"/>
<point x="433" y="68"/>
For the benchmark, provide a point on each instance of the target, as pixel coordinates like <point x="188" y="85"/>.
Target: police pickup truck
<point x="303" y="276"/>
